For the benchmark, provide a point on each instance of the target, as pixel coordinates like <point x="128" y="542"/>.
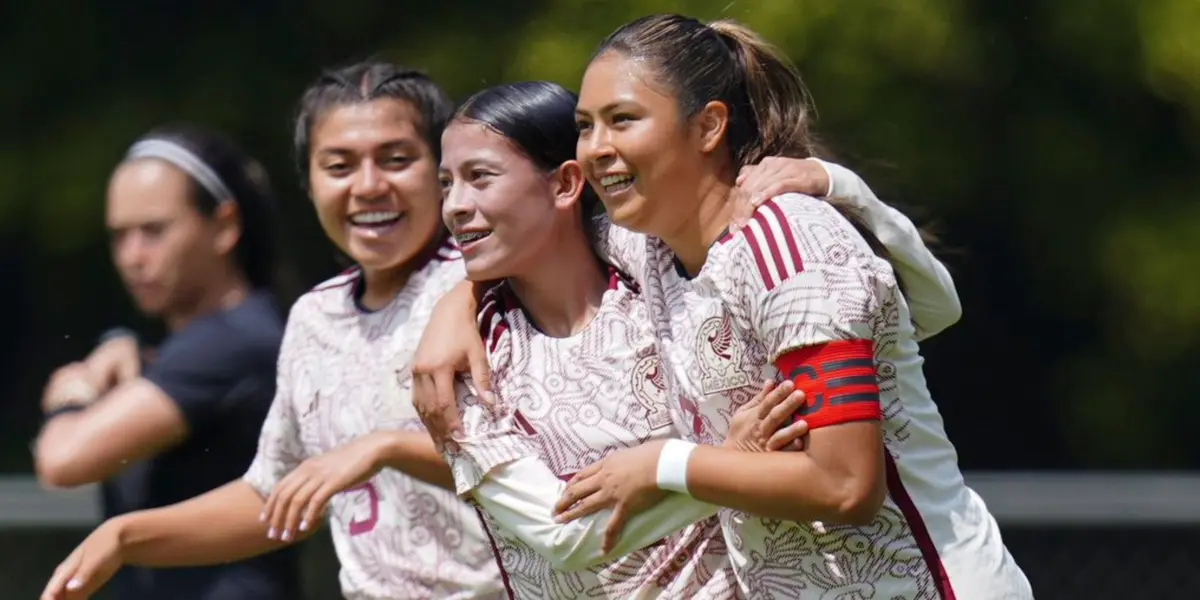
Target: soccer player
<point x="876" y="503"/>
<point x="367" y="138"/>
<point x="192" y="223"/>
<point x="574" y="362"/>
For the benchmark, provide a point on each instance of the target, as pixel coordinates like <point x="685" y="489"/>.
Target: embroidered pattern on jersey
<point x="344" y="374"/>
<point x="571" y="401"/>
<point x="796" y="276"/>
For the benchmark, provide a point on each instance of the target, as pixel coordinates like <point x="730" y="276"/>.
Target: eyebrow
<point x="475" y="162"/>
<point x="400" y="144"/>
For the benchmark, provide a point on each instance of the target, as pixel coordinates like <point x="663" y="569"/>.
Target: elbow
<point x="567" y="556"/>
<point x="59" y="470"/>
<point x="859" y="503"/>
<point x="566" y="549"/>
<point x="954" y="310"/>
<point x="566" y="564"/>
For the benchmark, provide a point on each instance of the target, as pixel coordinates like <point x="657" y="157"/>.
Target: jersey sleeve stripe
<point x="491" y="323"/>
<point x="789" y="238"/>
<point x="770" y="238"/>
<point x="838" y="380"/>
<point x="764" y="272"/>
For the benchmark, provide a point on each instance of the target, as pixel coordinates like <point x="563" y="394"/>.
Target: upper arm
<point x="815" y="297"/>
<point x="929" y="287"/>
<point x="133" y="422"/>
<point x="819" y="313"/>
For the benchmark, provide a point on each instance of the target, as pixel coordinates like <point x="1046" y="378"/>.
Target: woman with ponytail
<point x="670" y="109"/>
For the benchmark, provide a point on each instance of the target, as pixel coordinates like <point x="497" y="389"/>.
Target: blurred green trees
<point x="1053" y="145"/>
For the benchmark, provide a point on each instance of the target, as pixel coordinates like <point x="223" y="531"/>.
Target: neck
<point x="229" y="291"/>
<point x="691" y="240"/>
<point x="563" y="290"/>
<point x="380" y="286"/>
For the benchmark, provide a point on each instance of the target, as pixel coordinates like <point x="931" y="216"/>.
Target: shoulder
<point x="249" y="334"/>
<point x="793" y="234"/>
<point x="339" y="286"/>
<point x="492" y="317"/>
<point x="445" y="271"/>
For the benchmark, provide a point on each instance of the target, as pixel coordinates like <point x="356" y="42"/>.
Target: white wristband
<point x="673" y="465"/>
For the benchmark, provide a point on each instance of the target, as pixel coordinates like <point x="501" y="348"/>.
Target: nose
<point x="457" y="206"/>
<point x="369" y="181"/>
<point x="596" y="147"/>
<point x="130" y="252"/>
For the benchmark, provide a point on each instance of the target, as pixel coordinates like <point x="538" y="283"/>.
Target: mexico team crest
<point x="650" y="387"/>
<point x="720" y="356"/>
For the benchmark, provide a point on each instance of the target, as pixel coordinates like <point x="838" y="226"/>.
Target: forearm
<point x="217" y="527"/>
<point x="413" y="453"/>
<point x="779" y="485"/>
<point x="933" y="299"/>
<point x="520" y="496"/>
<point x="61" y="460"/>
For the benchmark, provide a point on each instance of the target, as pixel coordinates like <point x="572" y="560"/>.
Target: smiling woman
<point x="367" y="138"/>
<point x="370" y="161"/>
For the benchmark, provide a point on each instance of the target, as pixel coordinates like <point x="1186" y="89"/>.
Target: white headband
<point x="184" y="159"/>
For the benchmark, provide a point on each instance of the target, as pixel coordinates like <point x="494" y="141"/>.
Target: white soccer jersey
<point x="799" y="277"/>
<point x="344" y="373"/>
<point x="566" y="403"/>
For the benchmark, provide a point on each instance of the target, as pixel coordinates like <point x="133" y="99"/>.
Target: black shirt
<point x="220" y="372"/>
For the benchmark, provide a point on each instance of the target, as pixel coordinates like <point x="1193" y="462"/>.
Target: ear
<point x="226" y="219"/>
<point x="710" y="125"/>
<point x="568" y="184"/>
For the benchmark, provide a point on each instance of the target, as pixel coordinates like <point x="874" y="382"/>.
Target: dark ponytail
<point x="770" y="109"/>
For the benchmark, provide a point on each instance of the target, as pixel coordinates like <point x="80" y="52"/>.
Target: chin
<point x="483" y="271"/>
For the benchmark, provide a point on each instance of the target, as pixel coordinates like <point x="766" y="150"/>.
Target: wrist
<point x="122" y="531"/>
<point x="76" y="391"/>
<point x="673" y="465"/>
<point x="383" y="450"/>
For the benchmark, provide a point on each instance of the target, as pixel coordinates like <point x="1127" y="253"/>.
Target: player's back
<point x="395" y="536"/>
<point x="576" y="399"/>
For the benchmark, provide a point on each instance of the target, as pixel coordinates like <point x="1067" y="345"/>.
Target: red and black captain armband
<point x="838" y="381"/>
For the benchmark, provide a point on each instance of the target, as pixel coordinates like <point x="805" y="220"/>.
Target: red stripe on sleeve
<point x="764" y="272"/>
<point x="788" y="238"/>
<point x="838" y="381"/>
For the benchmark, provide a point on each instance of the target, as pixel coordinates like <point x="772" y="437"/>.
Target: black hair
<point x="538" y="117"/>
<point x="725" y="61"/>
<point x="770" y="110"/>
<point x="364" y="82"/>
<point x="249" y="187"/>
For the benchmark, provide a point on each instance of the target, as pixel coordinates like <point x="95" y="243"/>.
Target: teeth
<point x="466" y="238"/>
<point x="611" y="180"/>
<point x="374" y="218"/>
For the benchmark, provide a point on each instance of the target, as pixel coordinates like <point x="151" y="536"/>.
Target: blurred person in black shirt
<point x="192" y="224"/>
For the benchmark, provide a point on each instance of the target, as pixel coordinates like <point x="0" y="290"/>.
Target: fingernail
<point x="262" y="517"/>
<point x="287" y="535"/>
<point x="271" y="533"/>
<point x="74" y="584"/>
<point x="304" y="525"/>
